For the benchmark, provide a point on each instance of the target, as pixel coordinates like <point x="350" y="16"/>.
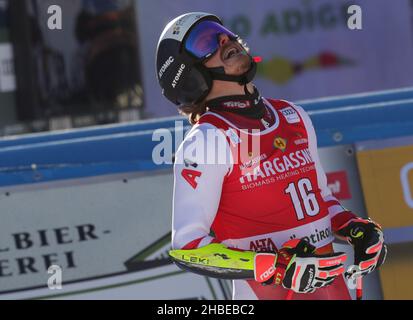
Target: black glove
<point x="367" y="239"/>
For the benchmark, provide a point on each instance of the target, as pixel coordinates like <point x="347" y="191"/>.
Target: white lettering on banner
<point x="165" y="66"/>
<point x="295" y="24"/>
<point x="178" y="75"/>
<point x="404" y="177"/>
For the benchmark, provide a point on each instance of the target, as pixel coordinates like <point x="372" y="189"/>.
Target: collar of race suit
<point x="249" y="104"/>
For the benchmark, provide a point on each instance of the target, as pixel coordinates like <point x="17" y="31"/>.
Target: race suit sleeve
<point x="338" y="214"/>
<point x="201" y="163"/>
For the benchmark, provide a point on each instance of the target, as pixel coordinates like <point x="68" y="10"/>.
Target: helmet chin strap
<point x="218" y="73"/>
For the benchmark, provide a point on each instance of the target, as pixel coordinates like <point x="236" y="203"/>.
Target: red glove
<point x="297" y="267"/>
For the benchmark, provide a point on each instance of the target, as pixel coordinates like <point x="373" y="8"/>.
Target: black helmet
<point x="181" y="74"/>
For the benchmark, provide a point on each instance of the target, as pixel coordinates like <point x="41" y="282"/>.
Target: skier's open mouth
<point x="231" y="52"/>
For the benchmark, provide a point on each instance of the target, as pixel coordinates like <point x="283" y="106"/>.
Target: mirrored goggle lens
<point x="202" y="40"/>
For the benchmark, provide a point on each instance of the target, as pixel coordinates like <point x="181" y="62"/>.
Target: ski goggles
<point x="203" y="40"/>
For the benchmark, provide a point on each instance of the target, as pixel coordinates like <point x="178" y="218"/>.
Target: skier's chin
<point x="239" y="64"/>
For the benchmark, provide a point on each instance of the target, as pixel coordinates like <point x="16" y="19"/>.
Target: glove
<point x="297" y="267"/>
<point x="367" y="239"/>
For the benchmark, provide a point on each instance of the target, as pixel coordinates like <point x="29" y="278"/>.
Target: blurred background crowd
<point x="99" y="67"/>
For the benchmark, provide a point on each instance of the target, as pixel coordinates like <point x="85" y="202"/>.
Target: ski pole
<point x="353" y="273"/>
<point x="359" y="288"/>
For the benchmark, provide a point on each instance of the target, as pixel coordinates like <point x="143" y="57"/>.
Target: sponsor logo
<point x="280" y="143"/>
<point x="165" y="66"/>
<point x="332" y="262"/>
<point x="222" y="255"/>
<point x="279" y="168"/>
<point x="301" y="141"/>
<point x="278" y="278"/>
<point x="263" y="245"/>
<point x="357" y="232"/>
<point x="338" y="184"/>
<point x="253" y="161"/>
<point x="177" y="27"/>
<point x="290" y="115"/>
<point x="237" y="104"/>
<point x="267" y="273"/>
<point x="196" y="260"/>
<point x="257" y="184"/>
<point x="181" y="22"/>
<point x="310" y="278"/>
<point x="178" y="75"/>
<point x="316" y="237"/>
<point x="176" y="30"/>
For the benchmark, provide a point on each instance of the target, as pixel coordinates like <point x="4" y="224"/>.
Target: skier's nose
<point x="222" y="39"/>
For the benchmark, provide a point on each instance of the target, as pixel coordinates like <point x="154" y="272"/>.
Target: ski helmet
<point x="183" y="46"/>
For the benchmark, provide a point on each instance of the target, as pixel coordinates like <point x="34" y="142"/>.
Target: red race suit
<point x="255" y="190"/>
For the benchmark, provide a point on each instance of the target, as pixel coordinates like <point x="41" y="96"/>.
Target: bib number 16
<point x="303" y="199"/>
